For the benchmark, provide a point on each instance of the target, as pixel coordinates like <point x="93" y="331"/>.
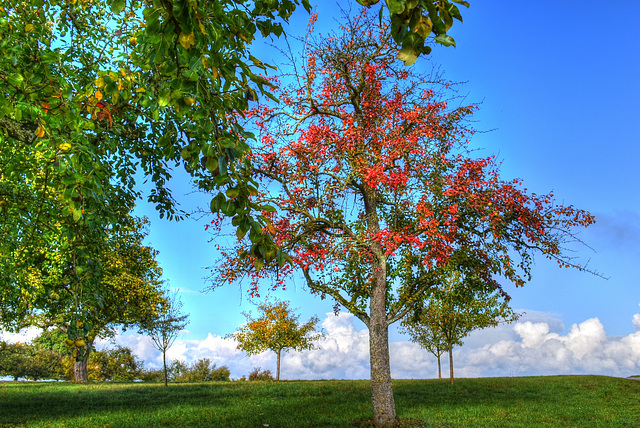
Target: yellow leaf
<point x="29" y="27"/>
<point x="188" y="101"/>
<point x="187" y="40"/>
<point x="64" y="146"/>
<point x="99" y="82"/>
<point x="40" y="133"/>
<point x="214" y="70"/>
<point x="98" y="95"/>
<point x="201" y="27"/>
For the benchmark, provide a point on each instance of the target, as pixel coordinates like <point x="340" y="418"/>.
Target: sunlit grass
<point x="558" y="401"/>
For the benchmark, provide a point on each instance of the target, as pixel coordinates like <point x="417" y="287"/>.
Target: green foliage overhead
<point x="93" y="92"/>
<point x="413" y="21"/>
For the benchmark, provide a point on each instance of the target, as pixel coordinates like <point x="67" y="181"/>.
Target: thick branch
<point x="314" y="285"/>
<point x="18" y="130"/>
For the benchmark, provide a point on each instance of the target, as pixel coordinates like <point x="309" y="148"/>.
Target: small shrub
<point x="151" y="375"/>
<point x="220" y="374"/>
<point x="200" y="371"/>
<point x="256" y="374"/>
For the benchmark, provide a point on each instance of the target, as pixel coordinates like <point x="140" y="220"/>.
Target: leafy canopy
<point x="365" y="173"/>
<point x="450" y="313"/>
<point x="276" y="328"/>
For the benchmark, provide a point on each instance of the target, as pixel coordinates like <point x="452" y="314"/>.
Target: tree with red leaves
<point x="371" y="194"/>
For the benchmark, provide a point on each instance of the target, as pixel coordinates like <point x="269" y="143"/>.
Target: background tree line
<point x="47" y="357"/>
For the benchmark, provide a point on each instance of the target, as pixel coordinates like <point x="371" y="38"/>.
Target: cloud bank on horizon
<point x="533" y="346"/>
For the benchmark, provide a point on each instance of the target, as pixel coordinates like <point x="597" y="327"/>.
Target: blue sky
<point x="558" y="83"/>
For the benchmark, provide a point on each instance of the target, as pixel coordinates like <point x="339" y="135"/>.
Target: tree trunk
<point x="384" y="409"/>
<point x="80" y="373"/>
<point x="451" y="364"/>
<point x="278" y="352"/>
<point x="164" y="364"/>
<point x="439" y="368"/>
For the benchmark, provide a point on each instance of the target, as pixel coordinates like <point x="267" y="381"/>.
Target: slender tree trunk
<point x="278" y="352"/>
<point x="451" y="364"/>
<point x="439" y="368"/>
<point x="384" y="409"/>
<point x="164" y="364"/>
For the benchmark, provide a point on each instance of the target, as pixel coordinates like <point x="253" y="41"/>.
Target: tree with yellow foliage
<point x="276" y="329"/>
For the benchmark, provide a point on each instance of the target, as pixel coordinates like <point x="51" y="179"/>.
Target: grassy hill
<point x="554" y="401"/>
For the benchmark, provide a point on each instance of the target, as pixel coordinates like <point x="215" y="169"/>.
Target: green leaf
<point x="117" y="6"/>
<point x="269" y="208"/>
<point x="228" y="208"/>
<point x="243" y="228"/>
<point x="50" y="57"/>
<point x="464" y="3"/>
<point x="165" y="97"/>
<point x="446" y="40"/>
<point x="233" y="193"/>
<point x="215" y="205"/>
<point x="396" y="7"/>
<point x="15" y="79"/>
<point x="222" y="163"/>
<point x="228" y="143"/>
<point x="212" y="163"/>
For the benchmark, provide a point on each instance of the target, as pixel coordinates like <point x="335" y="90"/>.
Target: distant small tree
<point x="166" y="326"/>
<point x="428" y="338"/>
<point x="276" y="329"/>
<point x="29" y="361"/>
<point x="462" y="305"/>
<point x="176" y="371"/>
<point x="13" y="360"/>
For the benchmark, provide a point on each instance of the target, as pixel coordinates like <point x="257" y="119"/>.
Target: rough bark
<point x="384" y="409"/>
<point x="80" y="373"/>
<point x="439" y="368"/>
<point x="451" y="364"/>
<point x="18" y="130"/>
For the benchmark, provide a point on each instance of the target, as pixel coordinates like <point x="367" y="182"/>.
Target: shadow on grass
<point x="207" y="404"/>
<point x="509" y="402"/>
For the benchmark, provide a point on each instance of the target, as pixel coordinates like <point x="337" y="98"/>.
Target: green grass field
<point x="557" y="401"/>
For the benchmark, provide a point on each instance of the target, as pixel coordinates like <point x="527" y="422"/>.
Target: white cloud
<point x="536" y="345"/>
<point x="636" y="321"/>
<point x="24" y="335"/>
